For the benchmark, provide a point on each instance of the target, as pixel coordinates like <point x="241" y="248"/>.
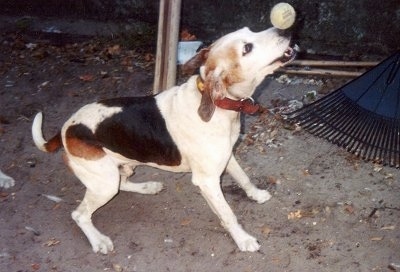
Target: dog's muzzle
<point x="290" y="54"/>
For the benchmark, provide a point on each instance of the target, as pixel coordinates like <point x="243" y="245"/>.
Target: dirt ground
<point x="329" y="212"/>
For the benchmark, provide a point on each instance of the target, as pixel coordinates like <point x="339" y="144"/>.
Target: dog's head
<point x="235" y="64"/>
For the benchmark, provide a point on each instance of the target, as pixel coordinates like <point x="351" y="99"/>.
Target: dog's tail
<point x="47" y="146"/>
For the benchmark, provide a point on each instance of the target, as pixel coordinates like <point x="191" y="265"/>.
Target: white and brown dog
<point x="191" y="127"/>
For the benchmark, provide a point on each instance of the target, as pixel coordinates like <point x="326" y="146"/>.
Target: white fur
<point x="91" y="115"/>
<point x="6" y="181"/>
<point x="206" y="147"/>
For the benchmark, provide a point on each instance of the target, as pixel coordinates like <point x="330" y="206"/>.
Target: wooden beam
<point x="167" y="45"/>
<point x="333" y="63"/>
<point x="320" y="72"/>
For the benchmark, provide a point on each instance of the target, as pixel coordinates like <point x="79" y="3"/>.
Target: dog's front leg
<point x="211" y="191"/>
<point x="243" y="180"/>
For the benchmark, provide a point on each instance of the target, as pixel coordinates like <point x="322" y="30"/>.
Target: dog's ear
<point x="189" y="68"/>
<point x="214" y="89"/>
<point x="207" y="107"/>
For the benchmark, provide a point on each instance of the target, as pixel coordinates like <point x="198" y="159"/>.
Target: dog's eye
<point x="247" y="48"/>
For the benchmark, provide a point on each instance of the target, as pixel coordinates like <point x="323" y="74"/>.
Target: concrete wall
<point x="344" y="27"/>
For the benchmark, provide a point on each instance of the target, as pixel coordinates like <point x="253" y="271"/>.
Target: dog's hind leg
<point x="150" y="187"/>
<point x="243" y="180"/>
<point x="101" y="178"/>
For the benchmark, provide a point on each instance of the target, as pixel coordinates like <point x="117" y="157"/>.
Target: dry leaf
<point x="178" y="187"/>
<point x="388" y="227"/>
<point x="149" y="57"/>
<point x="117" y="268"/>
<point x="295" y="215"/>
<point x="35" y="266"/>
<point x="87" y="77"/>
<point x="389" y="176"/>
<point x="4" y="194"/>
<point x="376" y="238"/>
<point x="127" y="61"/>
<point x="186" y="36"/>
<point x="51" y="242"/>
<point x="303" y="213"/>
<point x="378" y="167"/>
<point x="186" y="221"/>
<point x="265" y="230"/>
<point x="114" y="50"/>
<point x="272" y="180"/>
<point x="349" y="209"/>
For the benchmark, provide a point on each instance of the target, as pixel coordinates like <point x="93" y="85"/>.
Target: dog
<point x="188" y="128"/>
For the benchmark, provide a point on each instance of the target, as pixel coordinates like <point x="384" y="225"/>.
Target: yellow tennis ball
<point x="282" y="15"/>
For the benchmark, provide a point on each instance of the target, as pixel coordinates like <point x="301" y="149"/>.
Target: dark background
<point x="336" y="27"/>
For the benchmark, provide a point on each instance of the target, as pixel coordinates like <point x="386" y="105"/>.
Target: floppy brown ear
<point x="207" y="107"/>
<point x="214" y="88"/>
<point x="189" y="68"/>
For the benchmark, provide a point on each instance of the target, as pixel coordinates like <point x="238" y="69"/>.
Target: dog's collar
<point x="245" y="105"/>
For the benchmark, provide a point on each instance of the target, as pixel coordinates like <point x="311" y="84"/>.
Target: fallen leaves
<point x="27" y="56"/>
<point x="381" y="237"/>
<point x="263" y="134"/>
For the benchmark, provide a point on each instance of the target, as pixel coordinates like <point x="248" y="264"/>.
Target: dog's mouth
<point x="290" y="54"/>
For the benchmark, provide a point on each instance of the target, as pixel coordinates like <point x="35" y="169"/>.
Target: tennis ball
<point x="282" y="15"/>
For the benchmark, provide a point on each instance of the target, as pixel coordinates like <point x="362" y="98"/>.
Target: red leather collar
<point x="245" y="105"/>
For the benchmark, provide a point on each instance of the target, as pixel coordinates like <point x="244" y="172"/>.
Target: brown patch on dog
<point x="234" y="70"/>
<point x="231" y="72"/>
<point x="216" y="85"/>
<point x="54" y="143"/>
<point x="81" y="142"/>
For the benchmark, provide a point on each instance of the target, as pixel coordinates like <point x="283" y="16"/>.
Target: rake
<point x="363" y="116"/>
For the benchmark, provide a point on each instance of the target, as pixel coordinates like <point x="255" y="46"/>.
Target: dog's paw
<point x="6" y="181"/>
<point x="249" y="244"/>
<point x="103" y="244"/>
<point x="260" y="196"/>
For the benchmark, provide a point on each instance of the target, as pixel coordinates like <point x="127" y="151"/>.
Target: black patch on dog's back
<point x="138" y="132"/>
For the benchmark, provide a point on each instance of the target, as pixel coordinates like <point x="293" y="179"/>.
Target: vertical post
<point x="167" y="44"/>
